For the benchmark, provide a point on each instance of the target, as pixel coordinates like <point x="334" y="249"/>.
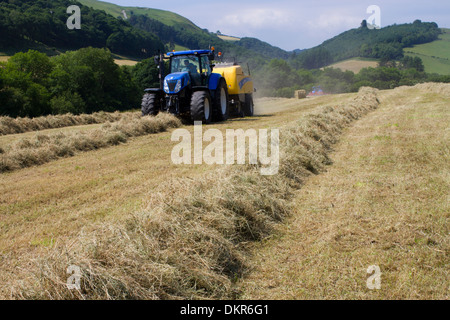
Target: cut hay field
<point x="103" y="184"/>
<point x="124" y="62"/>
<point x="10" y="126"/>
<point x="228" y="38"/>
<point x="354" y="65"/>
<point x="141" y="227"/>
<point x="48" y="206"/>
<point x="384" y="202"/>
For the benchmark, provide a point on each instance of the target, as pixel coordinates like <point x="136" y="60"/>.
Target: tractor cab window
<point x="189" y="64"/>
<point x="206" y="69"/>
<point x="185" y="64"/>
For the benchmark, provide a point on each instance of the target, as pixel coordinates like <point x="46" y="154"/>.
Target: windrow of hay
<point x="43" y="148"/>
<point x="437" y="88"/>
<point x="190" y="243"/>
<point x="10" y="125"/>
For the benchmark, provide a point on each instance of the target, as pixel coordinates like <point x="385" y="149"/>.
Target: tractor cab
<point x="194" y="66"/>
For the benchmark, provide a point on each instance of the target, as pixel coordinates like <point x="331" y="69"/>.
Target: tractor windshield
<point x="185" y="64"/>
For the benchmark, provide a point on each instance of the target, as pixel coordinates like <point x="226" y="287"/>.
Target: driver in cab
<point x="190" y="67"/>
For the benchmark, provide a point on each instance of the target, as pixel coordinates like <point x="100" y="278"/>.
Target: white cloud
<point x="289" y="28"/>
<point x="334" y="20"/>
<point x="260" y="18"/>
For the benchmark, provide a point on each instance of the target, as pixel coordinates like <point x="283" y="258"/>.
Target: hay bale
<point x="300" y="94"/>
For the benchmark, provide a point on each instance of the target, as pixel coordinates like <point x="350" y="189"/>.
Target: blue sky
<point x="291" y="24"/>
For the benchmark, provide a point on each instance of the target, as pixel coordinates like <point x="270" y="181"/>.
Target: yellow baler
<point x="240" y="88"/>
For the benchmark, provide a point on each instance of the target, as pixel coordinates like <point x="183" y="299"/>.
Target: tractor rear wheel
<point x="150" y="105"/>
<point x="221" y="109"/>
<point x="201" y="107"/>
<point x="248" y="107"/>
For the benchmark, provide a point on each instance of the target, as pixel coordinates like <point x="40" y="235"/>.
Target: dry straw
<point x="43" y="148"/>
<point x="190" y="242"/>
<point x="10" y="125"/>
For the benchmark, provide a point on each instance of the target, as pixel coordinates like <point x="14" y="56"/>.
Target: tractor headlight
<point x="178" y="86"/>
<point x="166" y="86"/>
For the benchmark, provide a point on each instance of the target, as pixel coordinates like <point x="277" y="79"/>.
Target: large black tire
<point x="201" y="107"/>
<point x="248" y="107"/>
<point x="220" y="104"/>
<point x="150" y="105"/>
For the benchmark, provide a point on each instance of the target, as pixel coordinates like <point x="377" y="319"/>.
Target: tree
<point x="412" y="62"/>
<point x="36" y="64"/>
<point x="67" y="102"/>
<point x="145" y="74"/>
<point x="315" y="58"/>
<point x="24" y="80"/>
<point x="92" y="74"/>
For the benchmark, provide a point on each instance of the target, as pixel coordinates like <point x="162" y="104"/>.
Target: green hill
<point x="168" y="18"/>
<point x="30" y="24"/>
<point x="264" y="47"/>
<point x="435" y="55"/>
<point x="384" y="44"/>
<point x="176" y="31"/>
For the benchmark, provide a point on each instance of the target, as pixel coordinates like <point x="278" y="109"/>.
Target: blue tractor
<point x="190" y="90"/>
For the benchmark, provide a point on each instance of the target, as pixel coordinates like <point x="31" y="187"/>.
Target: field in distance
<point x="355" y="64"/>
<point x="228" y="38"/>
<point x="435" y="55"/>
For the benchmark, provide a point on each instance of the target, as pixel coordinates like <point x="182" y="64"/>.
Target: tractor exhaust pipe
<point x="159" y="61"/>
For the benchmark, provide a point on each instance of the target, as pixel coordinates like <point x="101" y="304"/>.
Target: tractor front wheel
<point x="201" y="107"/>
<point x="150" y="105"/>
